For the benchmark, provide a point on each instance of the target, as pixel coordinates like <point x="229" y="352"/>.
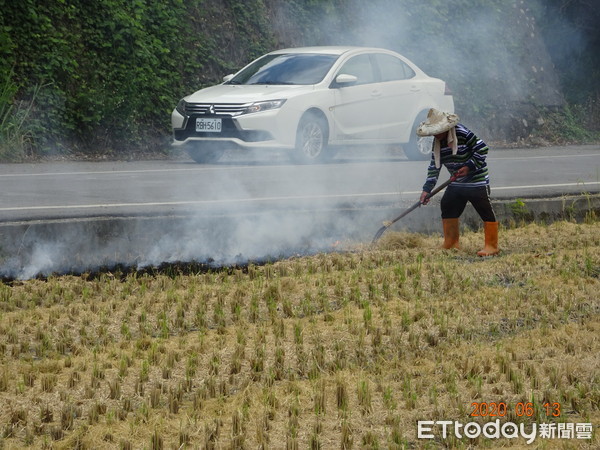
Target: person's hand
<point x="462" y="172"/>
<point x="424" y="200"/>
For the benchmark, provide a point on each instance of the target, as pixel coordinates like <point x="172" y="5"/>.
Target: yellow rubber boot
<point x="451" y="233"/>
<point x="491" y="239"/>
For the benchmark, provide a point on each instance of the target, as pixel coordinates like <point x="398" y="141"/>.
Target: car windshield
<point x="290" y="68"/>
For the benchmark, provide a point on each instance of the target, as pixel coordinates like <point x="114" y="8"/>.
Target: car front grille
<point x="218" y="109"/>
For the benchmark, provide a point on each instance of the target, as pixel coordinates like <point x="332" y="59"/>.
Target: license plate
<point x="208" y="125"/>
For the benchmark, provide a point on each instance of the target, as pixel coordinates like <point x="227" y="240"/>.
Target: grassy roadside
<point x="343" y="350"/>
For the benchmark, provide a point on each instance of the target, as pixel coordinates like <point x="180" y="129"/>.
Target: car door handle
<point x="376" y="93"/>
<point x="415" y="89"/>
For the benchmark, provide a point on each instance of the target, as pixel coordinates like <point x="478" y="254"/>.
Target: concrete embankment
<point x="42" y="247"/>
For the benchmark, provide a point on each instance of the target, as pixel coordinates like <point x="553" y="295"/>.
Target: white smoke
<point x="272" y="212"/>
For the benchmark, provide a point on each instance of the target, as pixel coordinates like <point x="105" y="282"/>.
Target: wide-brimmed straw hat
<point x="437" y="122"/>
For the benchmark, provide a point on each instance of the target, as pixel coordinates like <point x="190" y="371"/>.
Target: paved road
<point x="83" y="189"/>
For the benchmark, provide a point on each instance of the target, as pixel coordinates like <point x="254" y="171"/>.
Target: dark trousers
<point x="455" y="200"/>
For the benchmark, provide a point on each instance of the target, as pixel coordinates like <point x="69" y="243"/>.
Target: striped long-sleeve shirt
<point x="472" y="152"/>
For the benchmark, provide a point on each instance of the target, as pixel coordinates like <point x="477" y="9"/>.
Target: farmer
<point x="463" y="154"/>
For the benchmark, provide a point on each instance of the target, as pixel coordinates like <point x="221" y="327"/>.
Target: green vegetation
<point x="573" y="123"/>
<point x="520" y="211"/>
<point x="112" y="71"/>
<point x="15" y="134"/>
<point x="344" y="350"/>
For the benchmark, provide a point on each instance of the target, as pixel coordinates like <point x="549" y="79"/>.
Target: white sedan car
<point x="312" y="102"/>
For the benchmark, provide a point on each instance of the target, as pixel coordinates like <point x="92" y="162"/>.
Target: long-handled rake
<point x="389" y="223"/>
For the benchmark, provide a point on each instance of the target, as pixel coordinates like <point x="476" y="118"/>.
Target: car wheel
<point x="204" y="154"/>
<point x="311" y="139"/>
<point x="418" y="148"/>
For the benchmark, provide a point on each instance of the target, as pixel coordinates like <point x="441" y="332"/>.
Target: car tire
<point x="311" y="139"/>
<point x="205" y="154"/>
<point x="418" y="148"/>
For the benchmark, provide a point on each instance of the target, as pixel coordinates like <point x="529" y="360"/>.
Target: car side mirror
<point x="226" y="78"/>
<point x="345" y="79"/>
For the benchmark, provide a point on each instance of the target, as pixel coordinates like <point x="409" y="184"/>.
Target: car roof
<point x="328" y="50"/>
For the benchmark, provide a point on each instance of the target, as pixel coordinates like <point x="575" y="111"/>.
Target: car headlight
<point x="264" y="106"/>
<point x="181" y="107"/>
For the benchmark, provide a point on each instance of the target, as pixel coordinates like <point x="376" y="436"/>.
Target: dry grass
<point x="344" y="350"/>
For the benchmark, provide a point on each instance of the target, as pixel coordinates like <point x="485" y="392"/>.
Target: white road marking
<point x="536" y="186"/>
<point x="123" y="172"/>
<point x="273" y="199"/>
<point x="521" y="158"/>
<point x="246" y="167"/>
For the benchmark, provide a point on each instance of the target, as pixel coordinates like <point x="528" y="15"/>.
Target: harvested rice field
<point x="365" y="349"/>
